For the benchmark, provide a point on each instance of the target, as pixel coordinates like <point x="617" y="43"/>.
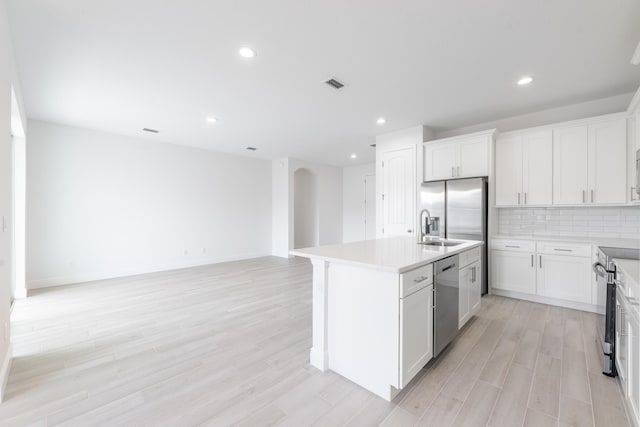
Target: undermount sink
<point x="443" y="243"/>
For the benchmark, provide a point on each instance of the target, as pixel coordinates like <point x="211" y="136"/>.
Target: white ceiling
<point x="121" y="65"/>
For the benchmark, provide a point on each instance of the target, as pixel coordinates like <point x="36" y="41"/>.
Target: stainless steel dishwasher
<point x="445" y="316"/>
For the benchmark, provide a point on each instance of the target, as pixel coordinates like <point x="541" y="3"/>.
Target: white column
<point x="319" y="356"/>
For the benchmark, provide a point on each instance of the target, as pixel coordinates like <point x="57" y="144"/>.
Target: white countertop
<point x="598" y="241"/>
<point x="631" y="269"/>
<point x="393" y="254"/>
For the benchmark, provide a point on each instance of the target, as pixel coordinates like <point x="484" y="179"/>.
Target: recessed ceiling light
<point x="525" y="80"/>
<point x="247" y="52"/>
<point x="212" y="119"/>
<point x="354" y="156"/>
<point x="381" y="121"/>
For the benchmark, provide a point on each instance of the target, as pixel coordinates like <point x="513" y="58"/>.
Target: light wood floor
<point x="229" y="344"/>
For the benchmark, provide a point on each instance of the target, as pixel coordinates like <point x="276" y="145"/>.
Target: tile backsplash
<point x="612" y="222"/>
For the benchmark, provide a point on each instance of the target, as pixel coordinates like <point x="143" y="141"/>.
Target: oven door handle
<point x="600" y="270"/>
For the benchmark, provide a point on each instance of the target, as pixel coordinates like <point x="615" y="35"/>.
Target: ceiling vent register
<point x="335" y="83"/>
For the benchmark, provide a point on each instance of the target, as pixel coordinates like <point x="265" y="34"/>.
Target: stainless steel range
<point x="605" y="269"/>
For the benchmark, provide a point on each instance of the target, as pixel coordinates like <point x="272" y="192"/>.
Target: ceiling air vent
<point x="335" y="83"/>
<point x="251" y="148"/>
<point x="150" y="130"/>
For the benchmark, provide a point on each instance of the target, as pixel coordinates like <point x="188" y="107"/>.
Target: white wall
<point x="598" y="107"/>
<point x="8" y="78"/>
<point x="329" y="203"/>
<point x="101" y="205"/>
<point x="353" y="208"/>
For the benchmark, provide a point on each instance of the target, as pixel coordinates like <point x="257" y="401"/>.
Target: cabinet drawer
<point x="513" y="245"/>
<point x="560" y="248"/>
<point x="416" y="279"/>
<point x="469" y="256"/>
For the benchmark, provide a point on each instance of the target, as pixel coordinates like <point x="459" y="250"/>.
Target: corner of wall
<point x="4" y="371"/>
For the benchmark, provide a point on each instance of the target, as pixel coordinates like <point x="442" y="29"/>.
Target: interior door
<point x="399" y="192"/>
<point x="608" y="162"/>
<point x="369" y="207"/>
<point x="570" y="166"/>
<point x="509" y="171"/>
<point x="537" y="176"/>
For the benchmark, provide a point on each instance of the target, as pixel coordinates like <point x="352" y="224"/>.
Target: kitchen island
<point x="373" y="303"/>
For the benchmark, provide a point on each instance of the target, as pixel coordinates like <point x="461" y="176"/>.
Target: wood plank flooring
<point x="228" y="344"/>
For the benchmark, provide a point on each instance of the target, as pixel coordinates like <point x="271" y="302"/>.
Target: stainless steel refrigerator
<point x="461" y="207"/>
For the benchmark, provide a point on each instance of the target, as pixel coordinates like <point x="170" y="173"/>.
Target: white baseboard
<point x="4" y="371"/>
<point x="103" y="275"/>
<point x="549" y="301"/>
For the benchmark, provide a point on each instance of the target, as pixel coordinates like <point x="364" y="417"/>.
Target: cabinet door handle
<point x="452" y="173"/>
<point x="525" y="197"/>
<point x="531" y="260"/>
<point x="409" y="231"/>
<point x="540" y="261"/>
<point x="563" y="250"/>
<point x="420" y="279"/>
<point x="512" y="246"/>
<point x="591" y="196"/>
<point x="584" y="196"/>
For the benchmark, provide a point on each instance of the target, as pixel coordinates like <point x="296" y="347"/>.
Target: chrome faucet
<point x="425" y="227"/>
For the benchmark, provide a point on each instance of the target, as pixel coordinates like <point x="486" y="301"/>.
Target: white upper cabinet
<point x="473" y="157"/>
<point x="459" y="157"/>
<point x="440" y="161"/>
<point x="537" y="174"/>
<point x="524" y="172"/>
<point x="589" y="164"/>
<point x="608" y="162"/>
<point x="570" y="162"/>
<point x="509" y="169"/>
<point x="399" y="192"/>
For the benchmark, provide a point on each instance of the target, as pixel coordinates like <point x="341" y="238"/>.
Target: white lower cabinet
<point x="561" y="271"/>
<point x="633" y="330"/>
<point x="564" y="277"/>
<point x="628" y="352"/>
<point x="513" y="271"/>
<point x="469" y="292"/>
<point x="416" y="333"/>
<point x="463" y="296"/>
<point x="475" y="289"/>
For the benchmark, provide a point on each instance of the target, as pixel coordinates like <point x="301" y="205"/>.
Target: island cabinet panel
<point x="469" y="289"/>
<point x="416" y="336"/>
<point x="475" y="288"/>
<point x="363" y="320"/>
